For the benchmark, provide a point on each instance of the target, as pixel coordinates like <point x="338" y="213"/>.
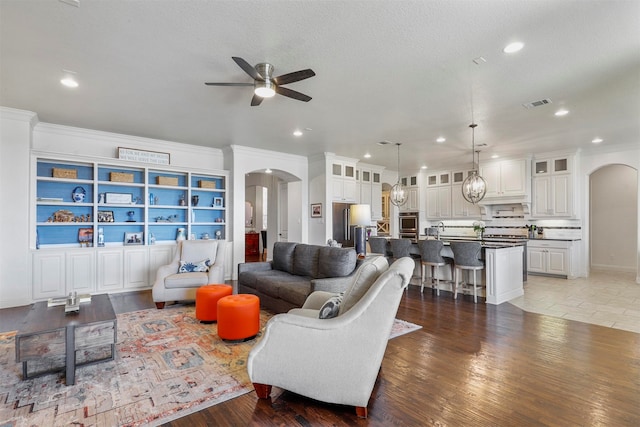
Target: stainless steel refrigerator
<point x="342" y="229"/>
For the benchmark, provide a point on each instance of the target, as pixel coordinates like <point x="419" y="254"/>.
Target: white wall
<point x="15" y="257"/>
<point x="590" y="162"/>
<point x="289" y="168"/>
<point x="613" y="227"/>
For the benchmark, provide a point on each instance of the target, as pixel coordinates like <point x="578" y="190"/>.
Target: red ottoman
<point x="207" y="301"/>
<point x="238" y="317"/>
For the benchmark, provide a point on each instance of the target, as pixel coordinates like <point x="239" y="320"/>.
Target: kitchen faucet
<point x="440" y="224"/>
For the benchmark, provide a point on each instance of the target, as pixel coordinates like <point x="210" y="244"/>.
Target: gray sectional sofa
<point x="297" y="269"/>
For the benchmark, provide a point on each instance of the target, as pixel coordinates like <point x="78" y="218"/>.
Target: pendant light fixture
<point x="474" y="187"/>
<point x="398" y="193"/>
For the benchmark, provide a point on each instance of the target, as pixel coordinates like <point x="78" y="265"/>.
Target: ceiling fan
<point x="265" y="85"/>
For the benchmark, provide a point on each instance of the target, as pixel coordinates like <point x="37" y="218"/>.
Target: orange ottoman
<point x="238" y="317"/>
<point x="207" y="301"/>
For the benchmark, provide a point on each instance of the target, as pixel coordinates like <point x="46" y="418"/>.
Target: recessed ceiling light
<point x="597" y="140"/>
<point x="561" y="112"/>
<point x="297" y="132"/>
<point x="441" y="139"/>
<point x="494" y="156"/>
<point x="513" y="47"/>
<point x="424" y="167"/>
<point x="367" y="155"/>
<point x="69" y="78"/>
<point x="267" y="170"/>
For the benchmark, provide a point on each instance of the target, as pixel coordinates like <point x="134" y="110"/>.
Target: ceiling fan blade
<point x="256" y="100"/>
<point x="229" y="84"/>
<point x="247" y="68"/>
<point x="292" y="94"/>
<point x="296" y="76"/>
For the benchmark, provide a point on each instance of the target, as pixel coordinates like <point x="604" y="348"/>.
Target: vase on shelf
<point x="180" y="235"/>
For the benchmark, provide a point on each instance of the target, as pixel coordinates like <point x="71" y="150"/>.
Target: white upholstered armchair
<point x="333" y="360"/>
<point x="170" y="285"/>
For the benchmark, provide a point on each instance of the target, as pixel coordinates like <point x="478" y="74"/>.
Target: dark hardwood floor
<point x="470" y="365"/>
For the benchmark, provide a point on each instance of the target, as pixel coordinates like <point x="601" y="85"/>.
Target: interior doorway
<point x="613" y="218"/>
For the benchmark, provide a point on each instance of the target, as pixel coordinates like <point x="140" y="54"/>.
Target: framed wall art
<point x="85" y="236"/>
<point x="316" y="210"/>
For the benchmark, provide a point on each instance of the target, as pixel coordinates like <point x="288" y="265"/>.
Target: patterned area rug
<point x="168" y="365"/>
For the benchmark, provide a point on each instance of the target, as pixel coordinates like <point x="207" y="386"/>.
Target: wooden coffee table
<point x="50" y="341"/>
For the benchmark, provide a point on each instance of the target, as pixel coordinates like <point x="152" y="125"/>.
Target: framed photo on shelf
<point x="119" y="198"/>
<point x="316" y="210"/>
<point x="85" y="236"/>
<point x="218" y="202"/>
<point x="134" y="238"/>
<point x="105" y="216"/>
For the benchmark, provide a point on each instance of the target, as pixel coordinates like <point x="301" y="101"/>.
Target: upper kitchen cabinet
<point x="370" y="188"/>
<point x="412" y="184"/>
<point x="507" y="180"/>
<point x="553" y="184"/>
<point x="343" y="180"/>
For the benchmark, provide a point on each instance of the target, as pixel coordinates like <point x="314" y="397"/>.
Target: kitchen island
<point x="502" y="275"/>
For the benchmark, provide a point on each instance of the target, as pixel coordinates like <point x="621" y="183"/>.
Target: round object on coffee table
<point x="238" y="317"/>
<point x="207" y="301"/>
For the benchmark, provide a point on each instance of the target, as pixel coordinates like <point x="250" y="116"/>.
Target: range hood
<point x="501" y="210"/>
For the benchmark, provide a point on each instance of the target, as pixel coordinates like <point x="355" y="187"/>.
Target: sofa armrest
<point x="332" y="284"/>
<point x="254" y="266"/>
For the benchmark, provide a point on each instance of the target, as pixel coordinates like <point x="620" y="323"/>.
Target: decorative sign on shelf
<point x="144" y="156"/>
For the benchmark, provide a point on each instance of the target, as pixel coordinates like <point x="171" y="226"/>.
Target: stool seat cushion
<point x="238" y="316"/>
<point x="207" y="301"/>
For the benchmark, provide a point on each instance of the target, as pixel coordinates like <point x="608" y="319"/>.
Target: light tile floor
<point x="605" y="298"/>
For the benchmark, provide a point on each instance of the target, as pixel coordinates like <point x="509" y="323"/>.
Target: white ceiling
<point x="400" y="71"/>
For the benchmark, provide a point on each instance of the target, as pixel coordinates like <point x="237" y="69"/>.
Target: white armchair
<point x="332" y="360"/>
<point x="173" y="286"/>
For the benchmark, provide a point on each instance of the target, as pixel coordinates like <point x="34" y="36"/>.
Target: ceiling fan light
<point x="265" y="89"/>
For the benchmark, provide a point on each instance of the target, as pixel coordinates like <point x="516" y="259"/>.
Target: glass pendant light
<point x="474" y="187"/>
<point x="398" y="196"/>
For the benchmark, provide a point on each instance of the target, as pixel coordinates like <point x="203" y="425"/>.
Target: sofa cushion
<point x="336" y="262"/>
<point x="331" y="308"/>
<point x="186" y="280"/>
<point x="364" y="277"/>
<point x="283" y="256"/>
<point x="305" y="260"/>
<point x="291" y="288"/>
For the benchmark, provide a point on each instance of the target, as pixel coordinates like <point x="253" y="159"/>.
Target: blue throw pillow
<point x="331" y="308"/>
<point x="194" y="267"/>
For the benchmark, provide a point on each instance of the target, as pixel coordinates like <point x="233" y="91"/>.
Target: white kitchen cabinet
<point x="551" y="257"/>
<point x="438" y="178"/>
<point x="438" y="202"/>
<point x="369" y="188"/>
<point x="344" y="184"/>
<point x="460" y="208"/>
<point x="506" y="179"/>
<point x="553" y="187"/>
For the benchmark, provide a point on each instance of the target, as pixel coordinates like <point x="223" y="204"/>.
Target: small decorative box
<point x="65" y="173"/>
<point x="120" y="177"/>
<point x="166" y="180"/>
<point x="206" y="184"/>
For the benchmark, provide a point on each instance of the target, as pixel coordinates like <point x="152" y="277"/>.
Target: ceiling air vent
<point x="537" y="103"/>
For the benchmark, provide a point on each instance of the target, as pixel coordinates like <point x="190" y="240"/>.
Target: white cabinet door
<point x="365" y="193"/>
<point x="542" y="194"/>
<point x="48" y="274"/>
<point x="444" y="201"/>
<point x="349" y="190"/>
<point x="513" y="177"/>
<point x="562" y="195"/>
<point x="159" y="255"/>
<point x="460" y="208"/>
<point x="557" y="261"/>
<point x="536" y="260"/>
<point x="80" y="271"/>
<point x="376" y="202"/>
<point x="432" y="203"/>
<point x="110" y="269"/>
<point x="136" y="268"/>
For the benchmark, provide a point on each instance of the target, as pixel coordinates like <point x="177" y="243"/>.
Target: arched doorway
<point x="613" y="218"/>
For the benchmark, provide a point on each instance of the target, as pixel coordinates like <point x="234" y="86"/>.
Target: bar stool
<point x="466" y="256"/>
<point x="400" y="248"/>
<point x="378" y="245"/>
<point x="430" y="252"/>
